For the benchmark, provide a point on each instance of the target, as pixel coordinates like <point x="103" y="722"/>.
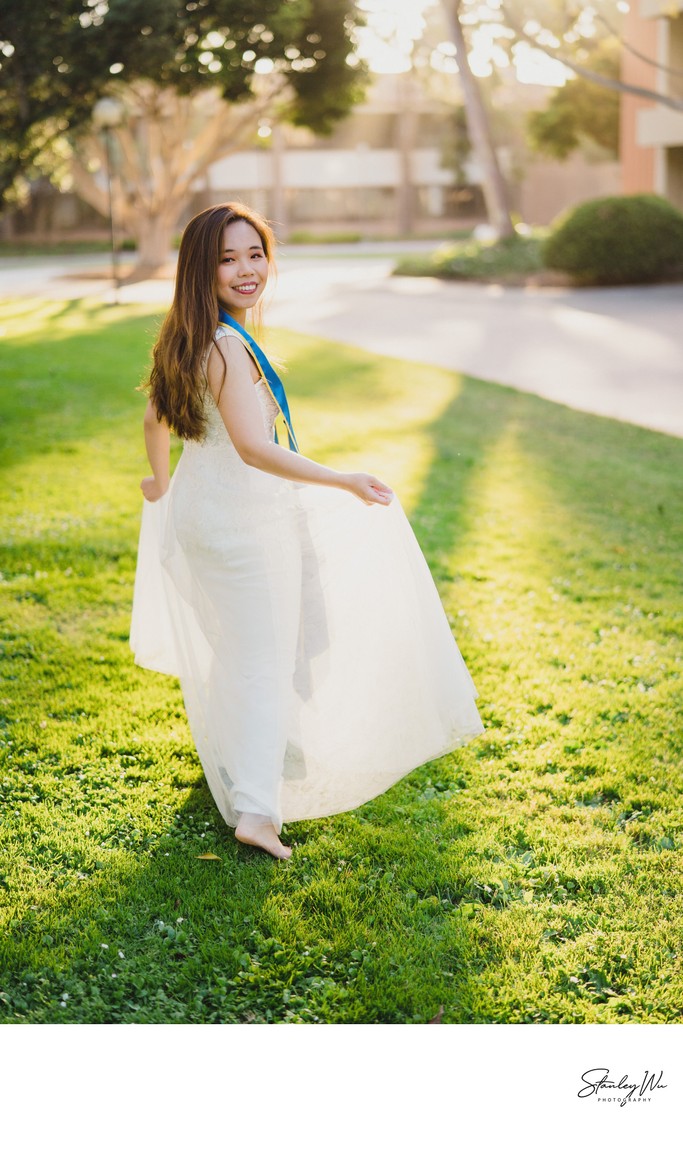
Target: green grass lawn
<point x="535" y="876"/>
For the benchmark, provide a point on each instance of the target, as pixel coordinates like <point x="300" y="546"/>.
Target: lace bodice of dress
<point x="216" y="433"/>
<point x="214" y="463"/>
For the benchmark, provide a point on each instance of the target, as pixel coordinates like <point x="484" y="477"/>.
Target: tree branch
<point x="634" y="51"/>
<point x="588" y="74"/>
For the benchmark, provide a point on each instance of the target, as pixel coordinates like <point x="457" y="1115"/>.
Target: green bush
<point x="509" y="259"/>
<point x="618" y="240"/>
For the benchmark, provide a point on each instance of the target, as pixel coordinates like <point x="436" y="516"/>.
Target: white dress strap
<point x="228" y="333"/>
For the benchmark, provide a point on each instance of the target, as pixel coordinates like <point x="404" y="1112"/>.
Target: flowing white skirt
<point x="315" y="659"/>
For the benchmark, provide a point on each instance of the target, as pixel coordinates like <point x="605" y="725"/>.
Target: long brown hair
<point x="177" y="382"/>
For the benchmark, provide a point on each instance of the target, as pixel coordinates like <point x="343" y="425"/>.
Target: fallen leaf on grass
<point x="208" y="856"/>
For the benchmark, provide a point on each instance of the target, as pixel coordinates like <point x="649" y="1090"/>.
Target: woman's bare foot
<point x="263" y="835"/>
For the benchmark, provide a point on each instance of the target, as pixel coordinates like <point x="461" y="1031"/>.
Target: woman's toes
<point x="265" y="837"/>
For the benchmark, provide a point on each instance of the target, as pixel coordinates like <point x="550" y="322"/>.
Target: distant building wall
<point x="379" y="173"/>
<point x="652" y="139"/>
<point x="361" y="167"/>
<point x="637" y="160"/>
<point x="357" y="186"/>
<point x="551" y="186"/>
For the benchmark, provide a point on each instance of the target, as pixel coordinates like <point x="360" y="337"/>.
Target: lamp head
<point x="107" y="113"/>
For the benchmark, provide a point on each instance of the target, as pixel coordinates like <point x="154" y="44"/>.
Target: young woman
<point x="316" y="663"/>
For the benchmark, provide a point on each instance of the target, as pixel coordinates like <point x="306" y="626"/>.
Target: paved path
<point x="615" y="352"/>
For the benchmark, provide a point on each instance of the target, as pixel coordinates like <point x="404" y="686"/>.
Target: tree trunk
<point x="164" y="146"/>
<point x="278" y="206"/>
<point x="7" y="226"/>
<point x="405" y="142"/>
<point x="493" y="182"/>
<point x="154" y="237"/>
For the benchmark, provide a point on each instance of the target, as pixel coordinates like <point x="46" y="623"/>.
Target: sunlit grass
<point x="534" y="877"/>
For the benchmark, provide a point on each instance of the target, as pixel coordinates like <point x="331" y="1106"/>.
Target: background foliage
<point x="618" y="240"/>
<point x="57" y="60"/>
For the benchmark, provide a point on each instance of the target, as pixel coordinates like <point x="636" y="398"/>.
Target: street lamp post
<point x="107" y="114"/>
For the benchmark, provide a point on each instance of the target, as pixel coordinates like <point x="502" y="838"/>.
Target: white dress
<point x="315" y="659"/>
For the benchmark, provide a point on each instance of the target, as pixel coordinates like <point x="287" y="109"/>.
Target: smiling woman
<point x="315" y="659"/>
<point x="243" y="269"/>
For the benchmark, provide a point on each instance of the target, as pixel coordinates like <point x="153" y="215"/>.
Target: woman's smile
<point x="243" y="267"/>
<point x="246" y="289"/>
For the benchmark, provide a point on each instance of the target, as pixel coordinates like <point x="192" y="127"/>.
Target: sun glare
<point x="532" y="66"/>
<point x="393" y="26"/>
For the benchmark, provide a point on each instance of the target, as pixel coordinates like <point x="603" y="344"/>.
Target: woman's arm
<point x="241" y="413"/>
<point x="158" y="444"/>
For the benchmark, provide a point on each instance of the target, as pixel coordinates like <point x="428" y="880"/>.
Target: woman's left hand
<point x="368" y="488"/>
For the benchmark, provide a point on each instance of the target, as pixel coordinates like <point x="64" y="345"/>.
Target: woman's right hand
<point x="152" y="489"/>
<point x="367" y="488"/>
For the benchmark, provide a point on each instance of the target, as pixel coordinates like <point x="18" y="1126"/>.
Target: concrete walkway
<point x="615" y="352"/>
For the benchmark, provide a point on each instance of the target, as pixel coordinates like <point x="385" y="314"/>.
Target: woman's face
<point x="243" y="267"/>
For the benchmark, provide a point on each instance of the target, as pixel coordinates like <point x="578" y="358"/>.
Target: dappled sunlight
<point x="425" y="285"/>
<point x="23" y="321"/>
<point x="600" y="680"/>
<point x="69" y="394"/>
<point x="495" y="590"/>
<point x="547" y="543"/>
<point x="512" y="530"/>
<point x="612" y="334"/>
<point x="317" y="292"/>
<point x="354" y="418"/>
<point x="557" y="565"/>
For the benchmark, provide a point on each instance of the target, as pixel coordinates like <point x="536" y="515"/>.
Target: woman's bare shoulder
<point x="229" y="351"/>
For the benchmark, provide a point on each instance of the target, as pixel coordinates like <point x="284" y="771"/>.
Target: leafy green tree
<point x="581" y="110"/>
<point x="57" y="60"/>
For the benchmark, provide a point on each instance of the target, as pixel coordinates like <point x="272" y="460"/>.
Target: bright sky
<point x="394" y="25"/>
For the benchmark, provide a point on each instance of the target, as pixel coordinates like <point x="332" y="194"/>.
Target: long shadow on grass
<point x="86" y="384"/>
<point x="161" y="936"/>
<point x="352" y="931"/>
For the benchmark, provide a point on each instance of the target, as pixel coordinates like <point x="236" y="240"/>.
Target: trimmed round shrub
<point x="618" y="240"/>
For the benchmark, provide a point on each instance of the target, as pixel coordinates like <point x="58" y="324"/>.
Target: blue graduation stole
<point x="272" y="379"/>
